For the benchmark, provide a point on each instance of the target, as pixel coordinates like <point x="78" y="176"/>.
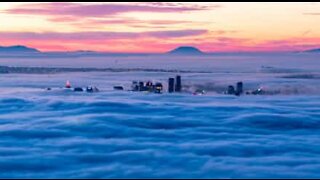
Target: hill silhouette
<point x="17" y="49"/>
<point x="186" y="50"/>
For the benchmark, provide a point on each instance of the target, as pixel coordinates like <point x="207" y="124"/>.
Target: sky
<point x="159" y="27"/>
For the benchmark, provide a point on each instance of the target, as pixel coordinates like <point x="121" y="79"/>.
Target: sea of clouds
<point x="118" y="134"/>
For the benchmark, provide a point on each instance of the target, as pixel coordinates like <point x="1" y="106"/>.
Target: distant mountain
<point x="186" y="50"/>
<point x="17" y="49"/>
<point x="313" y="51"/>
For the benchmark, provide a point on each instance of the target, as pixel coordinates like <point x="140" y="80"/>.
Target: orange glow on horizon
<point x="160" y="27"/>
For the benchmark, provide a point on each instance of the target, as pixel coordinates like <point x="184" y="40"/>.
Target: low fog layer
<point x="117" y="134"/>
<point x="278" y="73"/>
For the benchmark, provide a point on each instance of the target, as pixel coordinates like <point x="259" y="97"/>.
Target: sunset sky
<point x="160" y="27"/>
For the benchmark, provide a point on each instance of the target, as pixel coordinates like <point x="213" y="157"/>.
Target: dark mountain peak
<point x="313" y="50"/>
<point x="186" y="50"/>
<point x="18" y="49"/>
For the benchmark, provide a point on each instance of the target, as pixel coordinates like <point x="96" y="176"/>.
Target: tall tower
<point x="239" y="88"/>
<point x="178" y="84"/>
<point x="171" y="85"/>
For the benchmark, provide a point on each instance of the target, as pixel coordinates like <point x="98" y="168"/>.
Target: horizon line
<point x="157" y="53"/>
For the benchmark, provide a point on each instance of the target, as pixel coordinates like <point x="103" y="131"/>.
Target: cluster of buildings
<point x="239" y="90"/>
<point x="235" y="91"/>
<point x="146" y="86"/>
<point x="89" y="89"/>
<point x="174" y="85"/>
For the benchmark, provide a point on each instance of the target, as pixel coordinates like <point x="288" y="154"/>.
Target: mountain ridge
<point x="186" y="50"/>
<point x="317" y="50"/>
<point x="18" y="49"/>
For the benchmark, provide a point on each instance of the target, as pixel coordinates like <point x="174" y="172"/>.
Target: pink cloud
<point x="96" y="23"/>
<point x="96" y="10"/>
<point x="64" y="19"/>
<point x="98" y="41"/>
<point x="293" y="44"/>
<point x="99" y="35"/>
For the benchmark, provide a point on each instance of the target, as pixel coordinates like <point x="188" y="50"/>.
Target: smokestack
<point x="171" y="85"/>
<point x="178" y="84"/>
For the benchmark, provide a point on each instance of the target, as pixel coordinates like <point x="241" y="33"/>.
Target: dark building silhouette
<point x="239" y="90"/>
<point x="171" y="85"/>
<point x="78" y="89"/>
<point x="118" y="88"/>
<point x="158" y="88"/>
<point x="149" y="86"/>
<point x="89" y="89"/>
<point x="141" y="86"/>
<point x="178" y="84"/>
<point x="135" y="86"/>
<point x="231" y="90"/>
